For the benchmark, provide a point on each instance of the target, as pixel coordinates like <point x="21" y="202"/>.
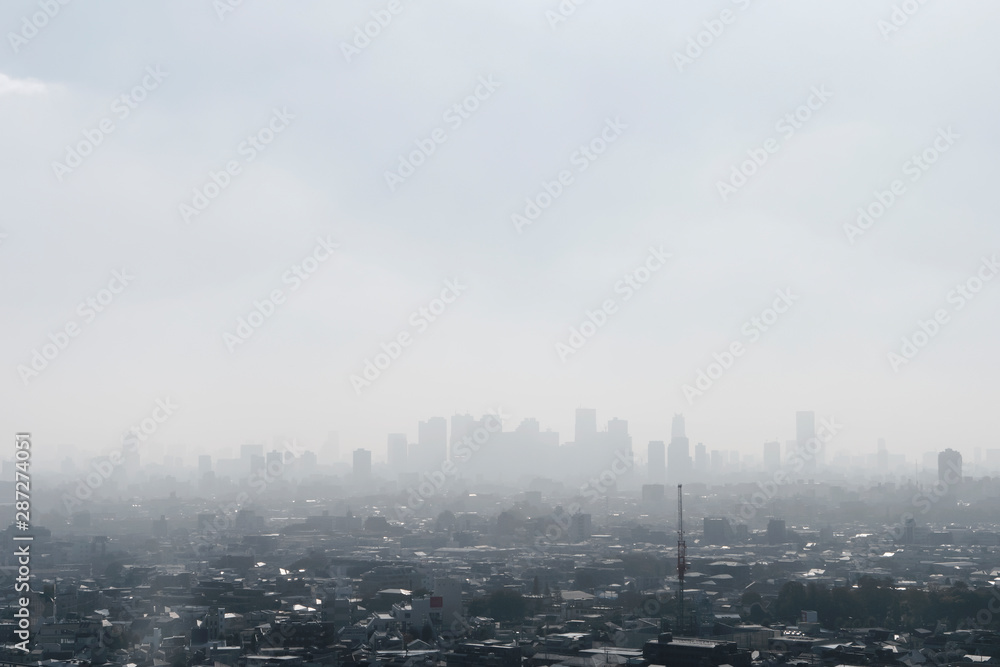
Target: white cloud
<point x="9" y="85"/>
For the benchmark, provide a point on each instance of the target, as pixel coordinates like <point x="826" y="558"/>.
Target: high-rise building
<point x="700" y="459"/>
<point x="772" y="455"/>
<point x="776" y="531"/>
<point x="248" y="451"/>
<point x="462" y="426"/>
<point x="718" y="462"/>
<point x="949" y="461"/>
<point x="362" y="464"/>
<point x="432" y="444"/>
<point x="677" y="426"/>
<point x="395" y="451"/>
<point x="204" y="464"/>
<point x="717" y="531"/>
<point x="586" y="425"/>
<point x="882" y="457"/>
<point x="678" y="453"/>
<point x="805" y="430"/>
<point x="653" y="493"/>
<point x="656" y="461"/>
<point x="579" y="527"/>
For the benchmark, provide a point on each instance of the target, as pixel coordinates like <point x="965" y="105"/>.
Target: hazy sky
<point x="339" y="112"/>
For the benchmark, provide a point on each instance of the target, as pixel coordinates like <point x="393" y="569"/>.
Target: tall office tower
<point x="395" y="451"/>
<point x="618" y="439"/>
<point x="656" y="461"/>
<point x="949" y="461"/>
<point x="776" y="531"/>
<point x="677" y="426"/>
<point x="717" y="531"/>
<point x="586" y="425"/>
<point x="718" y="462"/>
<point x="882" y="457"/>
<point x="248" y="451"/>
<point x="678" y="454"/>
<point x="580" y="528"/>
<point x="805" y="430"/>
<point x="331" y="448"/>
<point x="791" y="448"/>
<point x="772" y="455"/>
<point x="432" y="444"/>
<point x="462" y="426"/>
<point x="700" y="459"/>
<point x="204" y="464"/>
<point x="362" y="464"/>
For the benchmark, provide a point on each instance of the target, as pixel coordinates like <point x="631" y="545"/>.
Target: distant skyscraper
<point x="776" y="531"/>
<point x="717" y="531"/>
<point x="579" y="527"/>
<point x="678" y="452"/>
<point x="700" y="458"/>
<point x="882" y="456"/>
<point x="718" y="462"/>
<point x="432" y="444"/>
<point x="772" y="455"/>
<point x="586" y="425"/>
<point x="656" y="461"/>
<point x="805" y="430"/>
<point x="396" y="452"/>
<point x="204" y="464"/>
<point x="248" y="451"/>
<point x="362" y="464"/>
<point x="462" y="426"/>
<point x="677" y="426"/>
<point x="949" y="461"/>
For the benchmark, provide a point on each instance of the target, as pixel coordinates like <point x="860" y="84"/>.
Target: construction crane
<point x="681" y="559"/>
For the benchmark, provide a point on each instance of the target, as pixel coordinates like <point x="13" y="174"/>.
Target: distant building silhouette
<point x="678" y="452"/>
<point x="776" y="531"/>
<point x="717" y="531"/>
<point x="772" y="455"/>
<point x="396" y="449"/>
<point x="949" y="461"/>
<point x="362" y="464"/>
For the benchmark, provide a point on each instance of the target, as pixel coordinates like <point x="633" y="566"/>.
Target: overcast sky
<point x="339" y="111"/>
